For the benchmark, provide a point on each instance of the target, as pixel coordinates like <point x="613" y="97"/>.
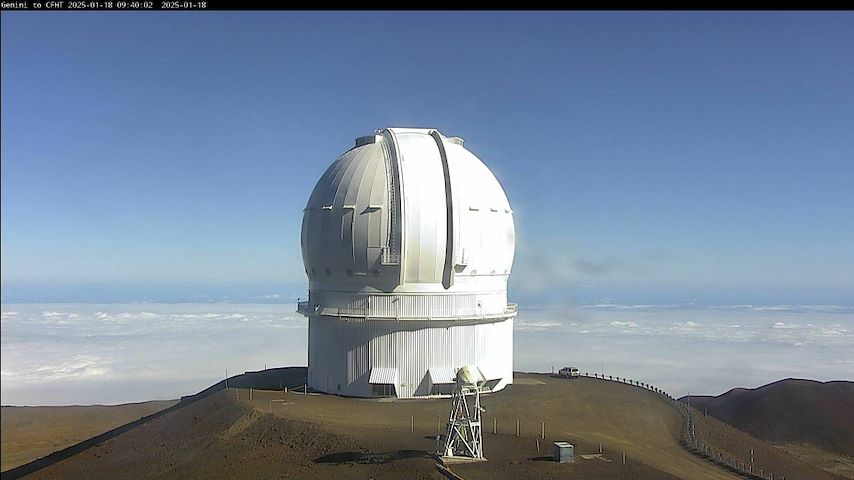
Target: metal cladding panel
<point x="383" y="375"/>
<point x="485" y="237"/>
<point x="442" y="375"/>
<point x="345" y="217"/>
<point x="564" y="452"/>
<point x="346" y="352"/>
<point x="489" y="371"/>
<point x="424" y="209"/>
<point x="408" y="306"/>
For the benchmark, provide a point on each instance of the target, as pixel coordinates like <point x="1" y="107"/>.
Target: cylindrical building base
<point x="405" y="359"/>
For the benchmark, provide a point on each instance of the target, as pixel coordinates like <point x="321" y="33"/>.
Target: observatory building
<point x="407" y="241"/>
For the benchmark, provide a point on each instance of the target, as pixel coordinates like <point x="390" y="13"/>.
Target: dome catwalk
<point x="407" y="241"/>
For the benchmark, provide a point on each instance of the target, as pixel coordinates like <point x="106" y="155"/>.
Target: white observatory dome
<point x="406" y="225"/>
<point x="408" y="210"/>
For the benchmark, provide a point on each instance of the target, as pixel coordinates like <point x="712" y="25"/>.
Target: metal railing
<point x="367" y="312"/>
<point x="389" y="258"/>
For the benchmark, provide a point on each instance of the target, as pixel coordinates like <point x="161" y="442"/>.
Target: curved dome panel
<point x="485" y="241"/>
<point x="424" y="207"/>
<point x="346" y="218"/>
<point x="408" y="211"/>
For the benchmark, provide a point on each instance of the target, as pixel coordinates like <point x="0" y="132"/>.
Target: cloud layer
<point x="688" y="349"/>
<point x="155" y="350"/>
<point x="110" y="353"/>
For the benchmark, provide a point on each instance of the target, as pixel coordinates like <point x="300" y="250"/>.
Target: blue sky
<point x="648" y="156"/>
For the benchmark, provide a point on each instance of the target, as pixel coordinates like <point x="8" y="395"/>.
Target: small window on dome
<point x="376" y="273"/>
<point x="328" y="272"/>
<point x="313" y="273"/>
<point x="349" y="273"/>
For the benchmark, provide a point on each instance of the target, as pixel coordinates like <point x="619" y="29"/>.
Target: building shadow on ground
<point x="372" y="458"/>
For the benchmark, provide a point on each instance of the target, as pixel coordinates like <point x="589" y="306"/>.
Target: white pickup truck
<point x="568" y="372"/>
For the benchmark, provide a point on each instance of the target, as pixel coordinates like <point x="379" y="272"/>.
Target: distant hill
<point x="789" y="411"/>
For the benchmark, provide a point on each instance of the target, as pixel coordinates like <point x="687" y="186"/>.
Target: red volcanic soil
<point x="292" y="435"/>
<point x="222" y="437"/>
<point x="250" y="433"/>
<point x="32" y="432"/>
<point x="797" y="411"/>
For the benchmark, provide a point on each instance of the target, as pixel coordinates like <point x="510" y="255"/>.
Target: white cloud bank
<point x="686" y="349"/>
<point x="66" y="354"/>
<point x="63" y="354"/>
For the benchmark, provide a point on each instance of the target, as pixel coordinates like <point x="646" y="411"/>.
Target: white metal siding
<point x="411" y="305"/>
<point x="442" y="375"/>
<point x="383" y="375"/>
<point x="345" y="352"/>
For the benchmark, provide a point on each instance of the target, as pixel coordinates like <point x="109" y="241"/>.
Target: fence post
<point x="493" y="425"/>
<point x="752" y="463"/>
<point x="543" y="432"/>
<point x="517" y="427"/>
<point x="412" y="424"/>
